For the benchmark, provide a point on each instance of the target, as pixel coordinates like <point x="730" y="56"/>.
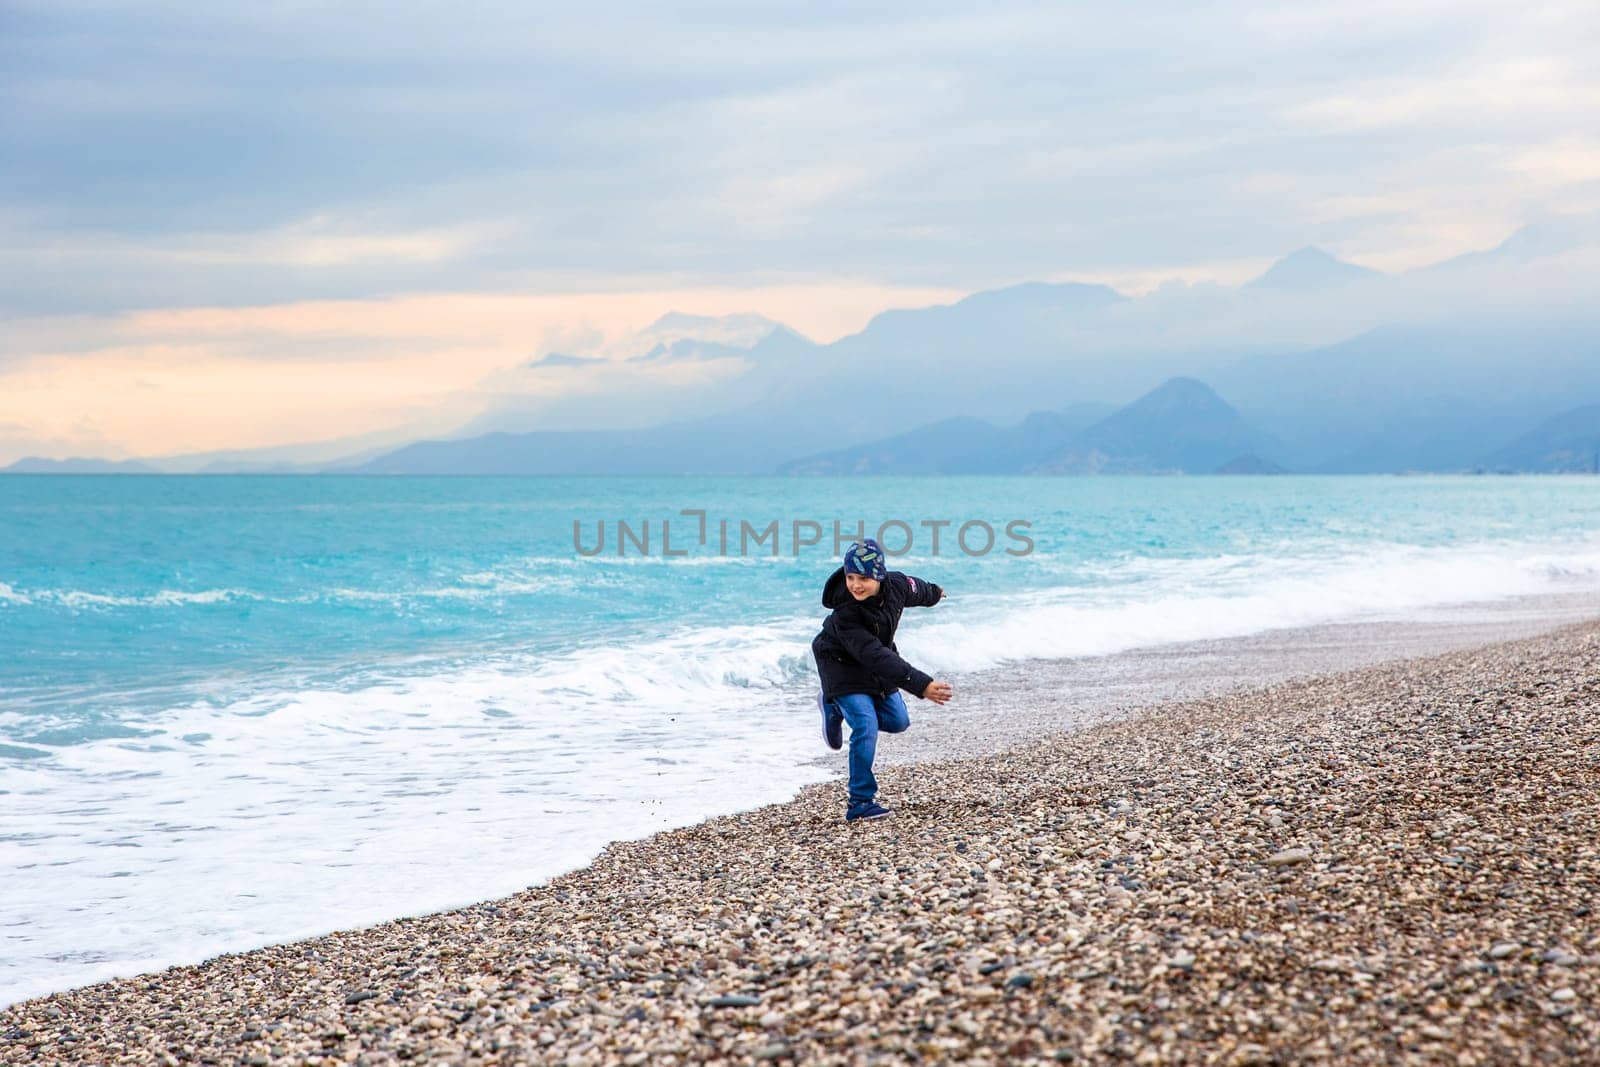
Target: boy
<point x="860" y="668"/>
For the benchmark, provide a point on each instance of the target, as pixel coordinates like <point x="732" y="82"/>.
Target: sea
<point x="236" y="710"/>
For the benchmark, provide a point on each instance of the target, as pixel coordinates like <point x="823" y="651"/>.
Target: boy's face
<point x="860" y="585"/>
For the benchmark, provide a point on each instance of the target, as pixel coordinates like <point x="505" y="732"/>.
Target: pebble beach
<point x="1392" y="864"/>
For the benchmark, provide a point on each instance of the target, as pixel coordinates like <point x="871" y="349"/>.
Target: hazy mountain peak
<point x="741" y="330"/>
<point x="1525" y="241"/>
<point x="1307" y="269"/>
<point x="561" y="359"/>
<point x="781" y="345"/>
<point x="986" y="314"/>
<point x="1548" y="237"/>
<point x="687" y="348"/>
<point x="1180" y="394"/>
<point x="1568" y="442"/>
<point x="676" y="336"/>
<point x="960" y="445"/>
<point x="77" y="465"/>
<point x="1051" y="295"/>
<point x="1180" y="425"/>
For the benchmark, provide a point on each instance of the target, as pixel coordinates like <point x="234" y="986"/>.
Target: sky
<point x="226" y="228"/>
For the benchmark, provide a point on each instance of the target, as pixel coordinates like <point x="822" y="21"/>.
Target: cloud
<point x="1475" y="95"/>
<point x="318" y="186"/>
<point x="197" y="379"/>
<point x="314" y="243"/>
<point x="300" y="154"/>
<point x="1562" y="161"/>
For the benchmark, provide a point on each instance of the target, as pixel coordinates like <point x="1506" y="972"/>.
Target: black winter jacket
<point x="855" y="651"/>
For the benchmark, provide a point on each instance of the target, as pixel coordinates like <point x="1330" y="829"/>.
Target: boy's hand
<point x="937" y="691"/>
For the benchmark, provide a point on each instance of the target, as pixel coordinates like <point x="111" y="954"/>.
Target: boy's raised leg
<point x="832" y="723"/>
<point x="893" y="718"/>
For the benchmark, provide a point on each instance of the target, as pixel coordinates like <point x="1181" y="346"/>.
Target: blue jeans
<point x="867" y="713"/>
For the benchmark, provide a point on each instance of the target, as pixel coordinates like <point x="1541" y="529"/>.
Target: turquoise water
<point x="235" y="710"/>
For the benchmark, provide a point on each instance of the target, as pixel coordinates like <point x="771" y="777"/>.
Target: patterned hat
<point x="865" y="558"/>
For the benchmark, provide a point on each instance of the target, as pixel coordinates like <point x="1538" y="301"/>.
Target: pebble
<point x="735" y="1000"/>
<point x="1288" y="857"/>
<point x="1009" y="912"/>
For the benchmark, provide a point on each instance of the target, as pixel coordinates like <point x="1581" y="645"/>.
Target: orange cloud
<point x="823" y="312"/>
<point x="203" y="379"/>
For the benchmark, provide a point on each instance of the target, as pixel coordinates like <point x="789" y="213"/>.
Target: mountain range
<point x="1489" y="361"/>
<point x="1566" y="443"/>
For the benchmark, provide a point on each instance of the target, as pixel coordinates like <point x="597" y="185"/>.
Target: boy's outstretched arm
<point x="921" y="593"/>
<point x="882" y="660"/>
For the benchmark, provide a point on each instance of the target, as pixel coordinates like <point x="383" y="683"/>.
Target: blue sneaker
<point x="868" y="810"/>
<point x="832" y="723"/>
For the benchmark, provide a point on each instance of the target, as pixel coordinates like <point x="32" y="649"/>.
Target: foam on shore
<point x="1392" y="863"/>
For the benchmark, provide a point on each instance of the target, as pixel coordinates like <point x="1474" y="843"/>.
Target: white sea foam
<point x="295" y="812"/>
<point x="534" y="574"/>
<point x="80" y="598"/>
<point x="1141" y="602"/>
<point x="304" y="809"/>
<point x="698" y="559"/>
<point x="174" y="597"/>
<point x="486" y="586"/>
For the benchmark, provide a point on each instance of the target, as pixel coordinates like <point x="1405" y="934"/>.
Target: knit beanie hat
<point x="865" y="558"/>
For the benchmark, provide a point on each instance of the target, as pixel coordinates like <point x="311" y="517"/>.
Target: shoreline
<point x="1136" y="887"/>
<point x="999" y="708"/>
<point x="1023" y="702"/>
